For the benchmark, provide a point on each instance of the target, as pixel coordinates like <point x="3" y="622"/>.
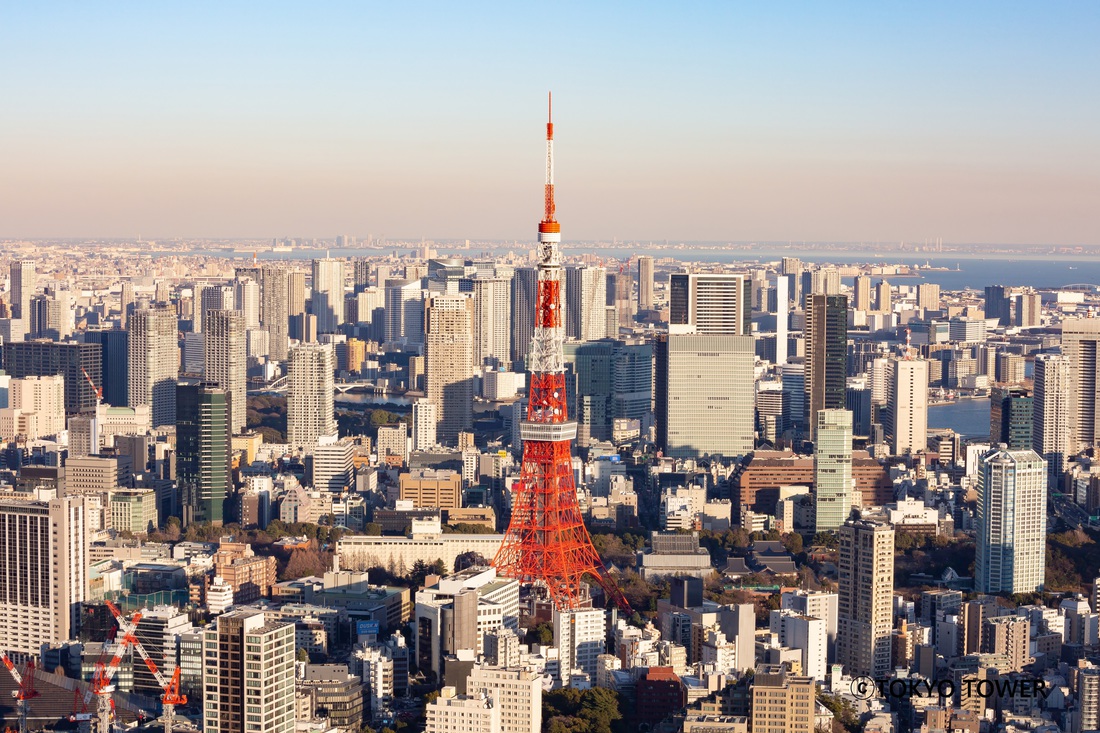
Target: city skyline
<point x="720" y="124"/>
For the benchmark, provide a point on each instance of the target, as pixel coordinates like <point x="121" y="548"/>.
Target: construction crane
<point x="170" y="687"/>
<point x="26" y="691"/>
<point x="98" y="390"/>
<point x="101" y="687"/>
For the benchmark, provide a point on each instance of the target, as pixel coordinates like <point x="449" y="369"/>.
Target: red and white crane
<point x="102" y="687"/>
<point x="170" y="687"/>
<point x="26" y="691"/>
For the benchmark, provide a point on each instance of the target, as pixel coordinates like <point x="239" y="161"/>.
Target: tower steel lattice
<point x="547" y="542"/>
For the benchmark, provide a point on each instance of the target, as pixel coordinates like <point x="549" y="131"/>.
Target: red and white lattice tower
<point x="547" y="542"/>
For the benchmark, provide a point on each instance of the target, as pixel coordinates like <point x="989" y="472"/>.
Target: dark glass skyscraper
<point x="998" y="304"/>
<point x="826" y="354"/>
<point x="524" y="290"/>
<point x="115" y="347"/>
<point x="1010" y="417"/>
<point x="202" y="451"/>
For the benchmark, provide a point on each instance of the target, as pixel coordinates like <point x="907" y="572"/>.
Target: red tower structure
<point x="547" y="542"/>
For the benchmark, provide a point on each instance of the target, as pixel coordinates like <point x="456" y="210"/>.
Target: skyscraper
<point x="710" y="304"/>
<point x="704" y="398"/>
<point x="448" y="363"/>
<point x="620" y="286"/>
<point x="360" y="275"/>
<point x="23" y="284"/>
<point x="1052" y="407"/>
<point x="524" y="294"/>
<point x="782" y="318"/>
<point x="907" y="405"/>
<point x="113" y="364"/>
<point x="246" y="299"/>
<point x="327" y="300"/>
<point x="883" y="297"/>
<point x="1011" y="412"/>
<point x="404" y="312"/>
<point x="861" y="293"/>
<point x="1011" y="522"/>
<point x="203" y="445"/>
<point x="211" y="298"/>
<point x="826" y="354"/>
<point x="274" y="312"/>
<point x="309" y="406"/>
<point x="998" y="304"/>
<point x="492" y="319"/>
<point x="43" y="563"/>
<point x="585" y="303"/>
<point x="865" y="612"/>
<point x="832" y="469"/>
<point x="225" y="361"/>
<point x="248" y="674"/>
<point x="1081" y="345"/>
<point x="928" y="296"/>
<point x="296" y="293"/>
<point x="154" y="362"/>
<point x="645" y="283"/>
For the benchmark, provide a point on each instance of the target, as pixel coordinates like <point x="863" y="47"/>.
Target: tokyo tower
<point x="547" y="542"/>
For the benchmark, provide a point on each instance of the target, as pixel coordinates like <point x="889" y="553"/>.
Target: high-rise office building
<point x="71" y="360"/>
<point x="24" y="281"/>
<point x="1052" y="411"/>
<point x="296" y="293"/>
<point x="327" y="300"/>
<point x="524" y="292"/>
<point x="492" y="320"/>
<point x="425" y="422"/>
<point x="203" y="447"/>
<point x="309" y="407"/>
<point x="782" y="318"/>
<point x="212" y="298"/>
<point x="645" y="283"/>
<point x="704" y="395"/>
<point x="126" y="304"/>
<point x="580" y="637"/>
<point x="1081" y="345"/>
<point x="832" y="469"/>
<point x="360" y="275"/>
<point x="154" y="362"/>
<point x="1029" y="310"/>
<point x="274" y="312"/>
<point x="861" y="293"/>
<point x="585" y="303"/>
<point x="1011" y="522"/>
<point x="710" y="304"/>
<point x="248" y="674"/>
<point x="225" y="361"/>
<point x="43" y="572"/>
<point x="114" y="364"/>
<point x="907" y="406"/>
<point x="998" y="304"/>
<point x="620" y="288"/>
<point x="826" y="354"/>
<point x="448" y="363"/>
<point x="883" y="297"/>
<point x="246" y="299"/>
<point x="865" y="611"/>
<point x="1011" y="412"/>
<point x="404" y="312"/>
<point x="928" y="296"/>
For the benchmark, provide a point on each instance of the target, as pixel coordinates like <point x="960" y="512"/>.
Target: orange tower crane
<point x="26" y="691"/>
<point x="170" y="687"/>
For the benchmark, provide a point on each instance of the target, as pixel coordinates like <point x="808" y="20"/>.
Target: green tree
<point x="303" y="655"/>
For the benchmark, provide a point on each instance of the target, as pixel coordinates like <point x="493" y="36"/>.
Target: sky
<point x="976" y="122"/>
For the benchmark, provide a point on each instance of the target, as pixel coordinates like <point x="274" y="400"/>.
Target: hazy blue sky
<point x="977" y="122"/>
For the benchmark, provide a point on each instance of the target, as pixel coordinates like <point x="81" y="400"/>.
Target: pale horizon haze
<point x="974" y="122"/>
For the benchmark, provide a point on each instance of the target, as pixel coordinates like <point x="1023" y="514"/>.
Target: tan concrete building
<point x="865" y="611"/>
<point x="449" y="363"/>
<point x="432" y="488"/>
<point x="782" y="702"/>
